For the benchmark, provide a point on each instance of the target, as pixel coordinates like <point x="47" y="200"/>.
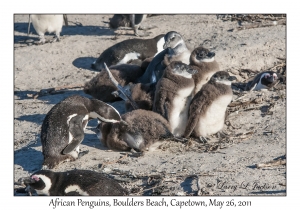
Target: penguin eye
<point x="222" y="77"/>
<point x="172" y="38"/>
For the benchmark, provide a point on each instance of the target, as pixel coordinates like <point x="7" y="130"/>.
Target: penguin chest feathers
<point x="211" y="120"/>
<point x="47" y="23"/>
<point x="179" y="113"/>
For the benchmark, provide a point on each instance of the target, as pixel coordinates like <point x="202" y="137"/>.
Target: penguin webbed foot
<point x="83" y="153"/>
<point x="203" y="139"/>
<point x="179" y="139"/>
<point x="137" y="153"/>
<point x="222" y="135"/>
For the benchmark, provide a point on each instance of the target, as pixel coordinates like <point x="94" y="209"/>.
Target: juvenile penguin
<point x="264" y="81"/>
<point x="129" y="20"/>
<point x="204" y="62"/>
<point x="63" y="127"/>
<point x="173" y="95"/>
<point x="174" y="50"/>
<point x="47" y="23"/>
<point x="208" y="107"/>
<point x="128" y="50"/>
<point x="138" y="130"/>
<point x="73" y="183"/>
<point x="100" y="87"/>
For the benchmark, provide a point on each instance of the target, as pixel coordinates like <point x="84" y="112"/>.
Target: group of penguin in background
<point x="170" y="92"/>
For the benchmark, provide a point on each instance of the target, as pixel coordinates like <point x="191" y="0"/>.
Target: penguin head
<point x="182" y="69"/>
<point x="268" y="78"/>
<point x="172" y="39"/>
<point x="39" y="181"/>
<point x="201" y="54"/>
<point x="222" y="77"/>
<point x="104" y="112"/>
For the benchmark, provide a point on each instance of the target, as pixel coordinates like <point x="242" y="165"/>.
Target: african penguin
<point x="128" y="50"/>
<point x="204" y="62"/>
<point x="174" y="50"/>
<point x="63" y="127"/>
<point x="100" y="87"/>
<point x="73" y="183"/>
<point x="208" y="107"/>
<point x="47" y="23"/>
<point x="128" y="20"/>
<point x="138" y="130"/>
<point x="174" y="92"/>
<point x="264" y="81"/>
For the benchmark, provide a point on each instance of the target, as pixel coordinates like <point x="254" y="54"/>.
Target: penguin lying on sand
<point x="63" y="127"/>
<point x="47" y="23"/>
<point x="174" y="50"/>
<point x="73" y="183"/>
<point x="204" y="62"/>
<point x="138" y="130"/>
<point x="129" y="20"/>
<point x="264" y="81"/>
<point x="174" y="92"/>
<point x="208" y="107"/>
<point x="129" y="50"/>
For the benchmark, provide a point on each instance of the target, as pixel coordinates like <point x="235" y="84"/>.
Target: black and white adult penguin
<point x="174" y="92"/>
<point x="264" y="81"/>
<point x="138" y="130"/>
<point x="129" y="50"/>
<point x="73" y="183"/>
<point x="174" y="50"/>
<point x="47" y="23"/>
<point x="204" y="62"/>
<point x="129" y="20"/>
<point x="208" y="107"/>
<point x="63" y="127"/>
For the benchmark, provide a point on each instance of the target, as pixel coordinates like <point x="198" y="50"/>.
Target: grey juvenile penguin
<point x="208" y="107"/>
<point x="264" y="81"/>
<point x="204" y="62"/>
<point x="129" y="20"/>
<point x="174" y="50"/>
<point x="63" y="127"/>
<point x="72" y="183"/>
<point x="128" y="50"/>
<point x="47" y="23"/>
<point x="138" y="130"/>
<point x="174" y="92"/>
<point x="100" y="87"/>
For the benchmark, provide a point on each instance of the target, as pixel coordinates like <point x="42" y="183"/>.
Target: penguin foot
<point x="222" y="135"/>
<point x="179" y="139"/>
<point x="203" y="139"/>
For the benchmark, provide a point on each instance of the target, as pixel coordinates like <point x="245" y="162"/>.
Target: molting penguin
<point x="129" y="20"/>
<point x="63" y="127"/>
<point x="73" y="183"/>
<point x="174" y="50"/>
<point x="264" y="81"/>
<point x="174" y="92"/>
<point x="208" y="107"/>
<point x="204" y="62"/>
<point x="100" y="87"/>
<point x="138" y="130"/>
<point x="128" y="50"/>
<point x="47" y="23"/>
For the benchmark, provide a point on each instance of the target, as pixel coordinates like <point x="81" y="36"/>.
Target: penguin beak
<point x="232" y="78"/>
<point x="26" y="180"/>
<point x="211" y="54"/>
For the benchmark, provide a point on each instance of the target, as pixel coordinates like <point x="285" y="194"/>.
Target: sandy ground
<point x="257" y="135"/>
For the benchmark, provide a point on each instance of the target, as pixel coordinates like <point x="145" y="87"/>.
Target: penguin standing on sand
<point x="47" y="23"/>
<point x="204" y="62"/>
<point x="138" y="130"/>
<point x="174" y="92"/>
<point x="208" y="107"/>
<point x="264" y="81"/>
<point x="63" y="127"/>
<point x="128" y="51"/>
<point x="174" y="50"/>
<point x="73" y="183"/>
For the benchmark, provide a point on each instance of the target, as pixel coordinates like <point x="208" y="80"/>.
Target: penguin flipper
<point x="194" y="115"/>
<point x="76" y="131"/>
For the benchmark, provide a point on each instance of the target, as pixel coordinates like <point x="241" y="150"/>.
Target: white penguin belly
<point x="47" y="23"/>
<point x="128" y="57"/>
<point x="179" y="114"/>
<point x="213" y="120"/>
<point x="75" y="188"/>
<point x="260" y="86"/>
